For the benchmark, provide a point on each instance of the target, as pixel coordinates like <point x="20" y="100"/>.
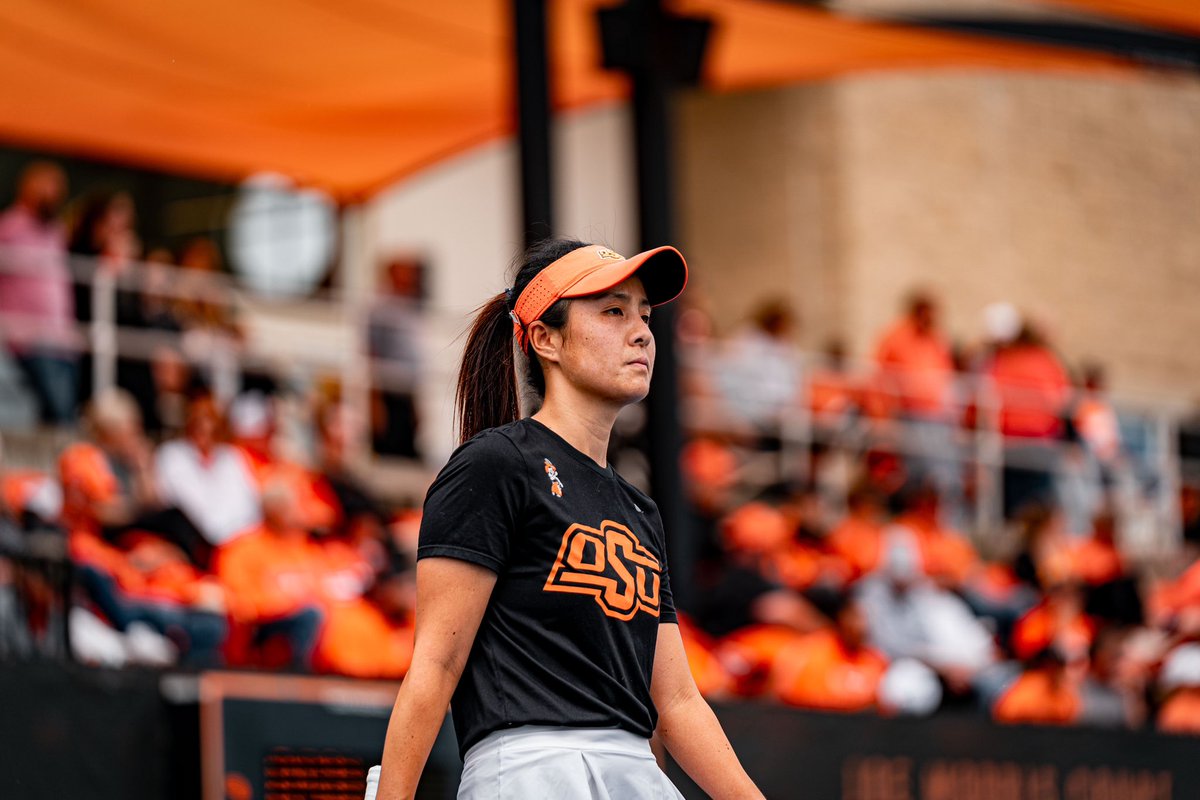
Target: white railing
<point x="328" y="333"/>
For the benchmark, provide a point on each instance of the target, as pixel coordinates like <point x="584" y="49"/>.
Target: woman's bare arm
<point x="451" y="598"/>
<point x="688" y="727"/>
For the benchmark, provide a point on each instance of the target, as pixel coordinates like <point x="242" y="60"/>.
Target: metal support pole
<point x="533" y="118"/>
<point x="646" y="37"/>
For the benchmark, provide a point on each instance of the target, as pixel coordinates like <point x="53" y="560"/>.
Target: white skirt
<point x="534" y="762"/>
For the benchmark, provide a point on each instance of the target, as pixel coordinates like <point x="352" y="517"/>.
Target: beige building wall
<point x="1076" y="199"/>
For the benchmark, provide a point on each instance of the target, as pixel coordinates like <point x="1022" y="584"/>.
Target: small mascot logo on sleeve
<point x="556" y="485"/>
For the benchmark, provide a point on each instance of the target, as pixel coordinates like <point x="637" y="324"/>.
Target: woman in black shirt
<point x="543" y="595"/>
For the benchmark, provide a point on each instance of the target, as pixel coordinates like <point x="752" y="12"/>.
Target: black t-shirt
<point x="569" y="634"/>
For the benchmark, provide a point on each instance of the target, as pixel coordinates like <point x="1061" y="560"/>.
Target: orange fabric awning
<point x="1178" y="15"/>
<point x="351" y="95"/>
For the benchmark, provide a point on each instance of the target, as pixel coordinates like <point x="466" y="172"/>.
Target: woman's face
<point x="606" y="348"/>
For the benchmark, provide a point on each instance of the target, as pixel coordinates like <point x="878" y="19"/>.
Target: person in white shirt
<point x="206" y="478"/>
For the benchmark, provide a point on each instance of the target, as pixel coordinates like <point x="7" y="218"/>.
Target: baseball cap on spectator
<point x="1001" y="322"/>
<point x="1181" y="668"/>
<point x="901" y="559"/>
<point x="250" y="416"/>
<point x="909" y="688"/>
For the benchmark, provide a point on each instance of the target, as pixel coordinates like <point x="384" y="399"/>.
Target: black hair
<point x="488" y="392"/>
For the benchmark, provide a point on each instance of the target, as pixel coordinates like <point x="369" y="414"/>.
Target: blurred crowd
<point x="215" y="548"/>
<point x="837" y="574"/>
<point x="75" y="277"/>
<point x="210" y="522"/>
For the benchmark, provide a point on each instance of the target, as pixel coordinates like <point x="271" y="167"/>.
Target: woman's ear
<point x="544" y="342"/>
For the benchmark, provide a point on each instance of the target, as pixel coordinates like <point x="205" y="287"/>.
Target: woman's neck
<point x="584" y="427"/>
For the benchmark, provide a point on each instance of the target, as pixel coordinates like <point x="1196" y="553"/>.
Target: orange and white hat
<point x="594" y="269"/>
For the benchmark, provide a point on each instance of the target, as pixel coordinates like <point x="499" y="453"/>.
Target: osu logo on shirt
<point x="611" y="565"/>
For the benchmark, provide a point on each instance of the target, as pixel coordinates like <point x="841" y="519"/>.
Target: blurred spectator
<point x="916" y="378"/>
<point x="207" y="310"/>
<point x="1113" y="693"/>
<point x="1058" y="622"/>
<point x="1032" y="388"/>
<point x="36" y="307"/>
<point x="833" y="669"/>
<point x="155" y="372"/>
<point x="371" y="636"/>
<point x="742" y="585"/>
<point x="834" y="391"/>
<point x="760" y="370"/>
<point x="207" y="478"/>
<point x="273" y="575"/>
<point x="1096" y="423"/>
<point x="358" y="518"/>
<point x="909" y="616"/>
<point x="946" y="555"/>
<point x="858" y="538"/>
<point x="1044" y="694"/>
<point x="104" y="234"/>
<point x="394" y="339"/>
<point x="1180" y="682"/>
<point x="109" y="486"/>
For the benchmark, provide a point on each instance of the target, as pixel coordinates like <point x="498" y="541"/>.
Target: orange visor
<point x="594" y="269"/>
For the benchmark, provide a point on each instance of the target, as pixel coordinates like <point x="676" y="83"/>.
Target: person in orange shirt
<point x="1058" y="621"/>
<point x="1032" y="388"/>
<point x="858" y="538"/>
<point x="1177" y="602"/>
<point x="832" y="669"/>
<point x="1096" y="559"/>
<point x="916" y="374"/>
<point x="273" y="574"/>
<point x="947" y="555"/>
<point x="916" y="368"/>
<point x="370" y="636"/>
<point x="1044" y="694"/>
<point x="108" y="483"/>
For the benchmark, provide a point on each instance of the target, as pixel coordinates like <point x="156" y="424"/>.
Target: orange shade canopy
<point x="351" y="95"/>
<point x="1182" y="16"/>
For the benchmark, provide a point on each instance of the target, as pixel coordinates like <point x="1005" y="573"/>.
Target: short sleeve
<point x="474" y="504"/>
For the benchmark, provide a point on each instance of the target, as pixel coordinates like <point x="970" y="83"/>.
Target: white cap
<point x="910" y="688"/>
<point x="250" y="415"/>
<point x="1001" y="322"/>
<point x="1181" y="668"/>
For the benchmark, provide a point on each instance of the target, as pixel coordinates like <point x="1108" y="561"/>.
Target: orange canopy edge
<point x="1178" y="15"/>
<point x="353" y="95"/>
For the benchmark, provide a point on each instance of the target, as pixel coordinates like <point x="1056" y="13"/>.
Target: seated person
<point x="109" y="487"/>
<point x="858" y="538"/>
<point x="1046" y="693"/>
<point x="136" y="559"/>
<point x="371" y="636"/>
<point x="910" y="616"/>
<point x="949" y="558"/>
<point x="831" y="669"/>
<point x="273" y="574"/>
<point x="206" y="478"/>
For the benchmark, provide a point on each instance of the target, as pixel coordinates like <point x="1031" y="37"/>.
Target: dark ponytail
<point x="488" y="392"/>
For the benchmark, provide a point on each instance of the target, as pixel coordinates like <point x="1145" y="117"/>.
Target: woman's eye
<point x="615" y="310"/>
<point x="646" y="318"/>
